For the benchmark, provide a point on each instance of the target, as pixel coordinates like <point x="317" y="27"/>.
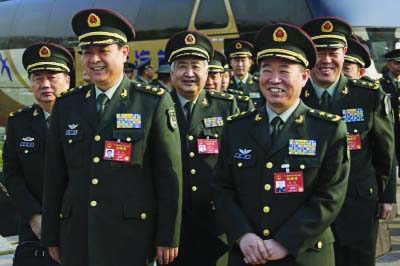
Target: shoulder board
<point x="241" y="115"/>
<point x="369" y="79"/>
<point x="238" y="92"/>
<point x="256" y="78"/>
<point x="324" y="115"/>
<point x="71" y="91"/>
<point x="221" y="95"/>
<point x="149" y="89"/>
<point x="385" y="79"/>
<point x="365" y="84"/>
<point x="242" y="98"/>
<point x="22" y="111"/>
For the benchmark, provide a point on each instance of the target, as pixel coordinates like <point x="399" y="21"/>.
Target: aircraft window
<point x="7" y="13"/>
<point x="250" y="15"/>
<point x="211" y="15"/>
<point x="161" y="19"/>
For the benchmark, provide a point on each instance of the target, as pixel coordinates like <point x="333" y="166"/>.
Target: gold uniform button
<point x="26" y="151"/>
<point x="93" y="203"/>
<point x="319" y="244"/>
<point x="194" y="188"/>
<point x="267" y="187"/>
<point x="190" y="137"/>
<point x="239" y="164"/>
<point x="128" y="139"/>
<point x="97" y="138"/>
<point x="96" y="159"/>
<point x="191" y="154"/>
<point x="70" y="141"/>
<point x="371" y="190"/>
<point x="266" y="232"/>
<point x="216" y="135"/>
<point x="193" y="171"/>
<point x="61" y="215"/>
<point x="95" y="181"/>
<point x="143" y="216"/>
<point x="266" y="209"/>
<point x="302" y="166"/>
<point x="269" y="165"/>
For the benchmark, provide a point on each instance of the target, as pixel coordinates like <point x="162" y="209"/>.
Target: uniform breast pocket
<point x="246" y="176"/>
<point x="26" y="149"/>
<point x="308" y="166"/>
<point x="73" y="149"/>
<point x="137" y="140"/>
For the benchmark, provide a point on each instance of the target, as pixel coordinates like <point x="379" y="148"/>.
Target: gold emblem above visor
<point x="190" y="39"/>
<point x="280" y="35"/>
<point x="93" y="20"/>
<point x="327" y="26"/>
<point x="238" y="45"/>
<point x="44" y="52"/>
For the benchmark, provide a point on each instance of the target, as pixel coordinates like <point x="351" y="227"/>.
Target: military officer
<point x="391" y="85"/>
<point x="201" y="115"/>
<point x="163" y="77"/>
<point x="129" y="69"/>
<point x="282" y="175"/>
<point x="48" y="66"/>
<point x="225" y="78"/>
<point x="122" y="210"/>
<point x="240" y="56"/>
<point x="145" y="72"/>
<point x="366" y="111"/>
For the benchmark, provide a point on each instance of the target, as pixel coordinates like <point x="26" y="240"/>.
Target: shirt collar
<point x="109" y="92"/>
<point x="284" y="115"/>
<point x="244" y="80"/>
<point x="319" y="90"/>
<point x="46" y="114"/>
<point x="183" y="100"/>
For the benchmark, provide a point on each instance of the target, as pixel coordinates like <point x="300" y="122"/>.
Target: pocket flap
<point x="214" y="132"/>
<point x="135" y="210"/>
<point x="128" y="135"/>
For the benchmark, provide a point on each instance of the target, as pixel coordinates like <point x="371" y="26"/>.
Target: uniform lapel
<point x="183" y="125"/>
<point x="290" y="130"/>
<point x="39" y="125"/>
<point x="117" y="104"/>
<point x="309" y="96"/>
<point x="199" y="110"/>
<point x="260" y="129"/>
<point x="88" y="110"/>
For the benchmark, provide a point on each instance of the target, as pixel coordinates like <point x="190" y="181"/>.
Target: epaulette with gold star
<point x="70" y="91"/>
<point x="324" y="115"/>
<point x="221" y="95"/>
<point x="369" y="79"/>
<point x="235" y="92"/>
<point x="242" y="98"/>
<point x="240" y="115"/>
<point x="385" y="79"/>
<point x="149" y="89"/>
<point x="374" y="85"/>
<point x="21" y="111"/>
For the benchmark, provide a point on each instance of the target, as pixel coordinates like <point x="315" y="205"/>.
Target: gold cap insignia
<point x="238" y="45"/>
<point x="327" y="26"/>
<point x="190" y="39"/>
<point x="44" y="52"/>
<point x="124" y="93"/>
<point x="93" y="20"/>
<point x="280" y="35"/>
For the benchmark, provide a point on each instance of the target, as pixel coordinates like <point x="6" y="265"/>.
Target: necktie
<point x="48" y="120"/>
<point x="189" y="108"/>
<point x="102" y="101"/>
<point x="241" y="85"/>
<point x="276" y="122"/>
<point x="325" y="101"/>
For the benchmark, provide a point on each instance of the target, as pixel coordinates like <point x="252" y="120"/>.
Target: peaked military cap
<point x="189" y="43"/>
<point x="217" y="63"/>
<point x="101" y="27"/>
<point x="163" y="69"/>
<point x="239" y="48"/>
<point x="47" y="56"/>
<point x="128" y="67"/>
<point x="357" y="53"/>
<point x="285" y="41"/>
<point x="393" y="55"/>
<point x="328" y="32"/>
<point x="144" y="64"/>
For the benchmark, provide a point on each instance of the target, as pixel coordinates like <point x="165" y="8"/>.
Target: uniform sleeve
<point x="389" y="194"/>
<point x="55" y="181"/>
<point x="229" y="214"/>
<point x="166" y="152"/>
<point x="383" y="139"/>
<point x="318" y="213"/>
<point x="26" y="203"/>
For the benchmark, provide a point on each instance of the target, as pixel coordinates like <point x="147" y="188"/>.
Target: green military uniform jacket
<point x="251" y="89"/>
<point x="101" y="212"/>
<point x="394" y="92"/>
<point x="244" y="102"/>
<point x="23" y="159"/>
<point x="199" y="227"/>
<point x="246" y="199"/>
<point x="371" y="163"/>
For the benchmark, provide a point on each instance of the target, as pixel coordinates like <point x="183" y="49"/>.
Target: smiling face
<point x="329" y="66"/>
<point x="189" y="75"/>
<point x="104" y="64"/>
<point x="281" y="82"/>
<point x="47" y="85"/>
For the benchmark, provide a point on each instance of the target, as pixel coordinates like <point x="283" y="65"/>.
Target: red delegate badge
<point x="207" y="146"/>
<point x="354" y="141"/>
<point x="117" y="151"/>
<point x="288" y="182"/>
